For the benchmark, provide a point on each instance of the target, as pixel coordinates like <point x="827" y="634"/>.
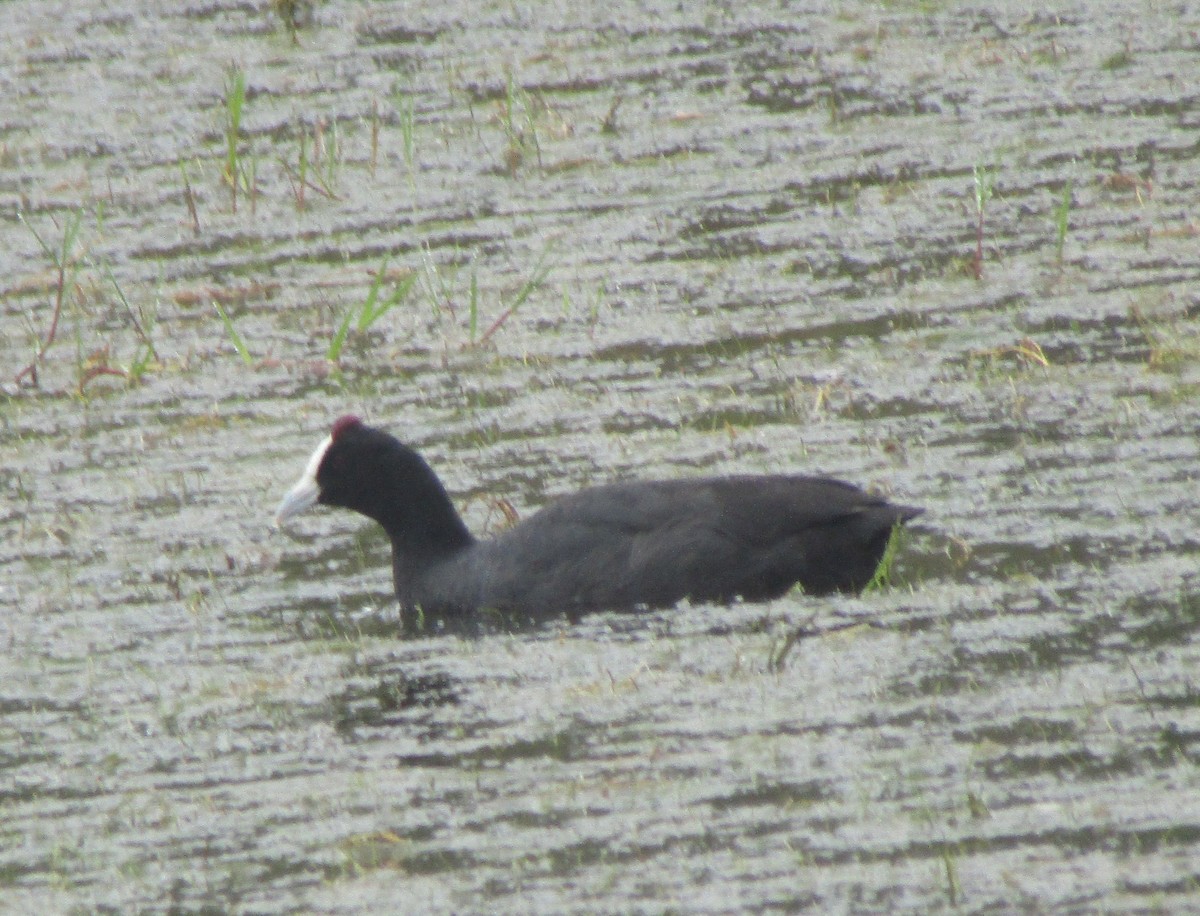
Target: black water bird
<point x="620" y="546"/>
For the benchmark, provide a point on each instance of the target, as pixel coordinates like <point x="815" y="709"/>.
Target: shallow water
<point x="757" y="228"/>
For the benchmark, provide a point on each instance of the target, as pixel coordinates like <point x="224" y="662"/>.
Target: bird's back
<point x="653" y="543"/>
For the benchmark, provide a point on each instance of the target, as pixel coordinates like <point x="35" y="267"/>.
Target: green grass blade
<point x="368" y="307"/>
<point x="541" y="270"/>
<point x="238" y="343"/>
<point x="235" y="100"/>
<point x="46" y="249"/>
<point x="985" y="184"/>
<point x="399" y="294"/>
<point x="373" y="308"/>
<point x="883" y="572"/>
<point x="1062" y="218"/>
<point x="334" y="353"/>
<point x="473" y="312"/>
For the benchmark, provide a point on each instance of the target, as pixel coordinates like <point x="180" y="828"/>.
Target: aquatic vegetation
<point x="143" y="324"/>
<point x="520" y="129"/>
<point x="440" y="288"/>
<point x="298" y="179"/>
<point x="72" y="294"/>
<point x="370" y="310"/>
<point x="1172" y="343"/>
<point x="739" y="285"/>
<point x="883" y="572"/>
<point x="65" y="263"/>
<point x="408" y="143"/>
<point x="231" y="332"/>
<point x="318" y="162"/>
<point x="189" y="198"/>
<point x="294" y="15"/>
<point x="537" y="276"/>
<point x="235" y="101"/>
<point x="1027" y="352"/>
<point x="985" y="184"/>
<point x="1062" y="215"/>
<point x="1119" y="60"/>
<point x="327" y="154"/>
<point x="953" y="884"/>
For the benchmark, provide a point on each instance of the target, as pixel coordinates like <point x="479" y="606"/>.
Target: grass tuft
<point x="143" y="326"/>
<point x="541" y="270"/>
<point x="520" y="129"/>
<point x="73" y="294"/>
<point x="441" y="289"/>
<point x="370" y="310"/>
<point x="1027" y="351"/>
<point x="1172" y="344"/>
<point x="883" y="572"/>
<point x="65" y="265"/>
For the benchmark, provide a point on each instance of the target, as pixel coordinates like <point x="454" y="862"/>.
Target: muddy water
<point x="647" y="240"/>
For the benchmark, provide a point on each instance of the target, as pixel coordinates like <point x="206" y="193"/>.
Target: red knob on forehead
<point x="341" y="424"/>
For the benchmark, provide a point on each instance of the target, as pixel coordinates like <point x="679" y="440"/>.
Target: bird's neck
<point x="422" y="521"/>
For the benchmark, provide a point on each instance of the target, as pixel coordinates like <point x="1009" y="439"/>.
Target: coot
<point x="624" y="545"/>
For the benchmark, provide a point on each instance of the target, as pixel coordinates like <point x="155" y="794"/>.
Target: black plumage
<point x="624" y="545"/>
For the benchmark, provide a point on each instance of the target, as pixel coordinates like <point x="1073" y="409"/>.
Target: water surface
<point x="648" y="240"/>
